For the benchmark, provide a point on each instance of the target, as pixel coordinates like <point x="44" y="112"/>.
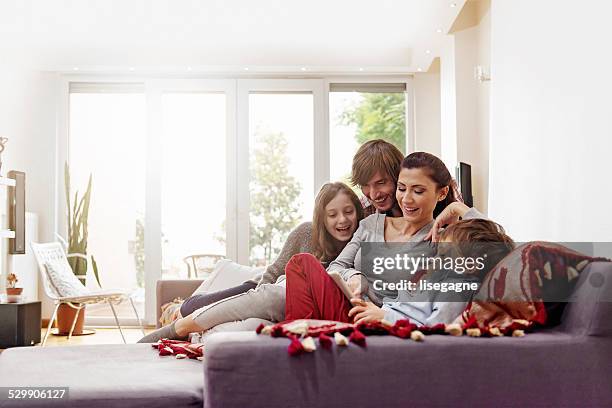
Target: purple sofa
<point x="569" y="365"/>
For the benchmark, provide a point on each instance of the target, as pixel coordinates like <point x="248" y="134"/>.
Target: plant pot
<point x="65" y="317"/>
<point x="13" y="295"/>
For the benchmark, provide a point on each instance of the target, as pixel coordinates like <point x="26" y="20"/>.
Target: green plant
<point x="78" y="213"/>
<point x="379" y="116"/>
<point x="274" y="196"/>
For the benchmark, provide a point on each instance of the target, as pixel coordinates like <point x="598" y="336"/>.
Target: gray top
<point x="372" y="229"/>
<point x="299" y="241"/>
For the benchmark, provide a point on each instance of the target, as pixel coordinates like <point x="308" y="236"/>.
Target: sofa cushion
<point x="227" y="274"/>
<point x="126" y="375"/>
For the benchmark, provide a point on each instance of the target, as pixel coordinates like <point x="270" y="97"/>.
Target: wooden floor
<point x="102" y="336"/>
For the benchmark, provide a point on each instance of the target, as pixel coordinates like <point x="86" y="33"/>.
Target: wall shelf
<point x="5" y="181"/>
<point x="6" y="233"/>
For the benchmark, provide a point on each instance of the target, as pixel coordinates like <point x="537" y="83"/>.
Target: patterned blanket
<point x="531" y="283"/>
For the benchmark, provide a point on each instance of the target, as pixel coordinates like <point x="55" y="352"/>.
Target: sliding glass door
<point x="207" y="169"/>
<point x="107" y="143"/>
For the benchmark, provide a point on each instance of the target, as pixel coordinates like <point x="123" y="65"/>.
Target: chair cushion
<point x="226" y="275"/>
<point x="63" y="280"/>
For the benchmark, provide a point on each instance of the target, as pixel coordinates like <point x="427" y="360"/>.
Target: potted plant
<point x="13" y="294"/>
<point x="77" y="217"/>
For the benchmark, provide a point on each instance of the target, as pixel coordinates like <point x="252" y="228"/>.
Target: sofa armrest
<point x="590" y="307"/>
<point x="167" y="290"/>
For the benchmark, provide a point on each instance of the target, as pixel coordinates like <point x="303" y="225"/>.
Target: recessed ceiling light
<point x="453" y="5"/>
<point x="75" y="68"/>
<point x="361" y="69"/>
<point x="303" y="68"/>
<point x="246" y="68"/>
<point x="439" y="30"/>
<point x="189" y="68"/>
<point x="419" y="69"/>
<point x="427" y="51"/>
<point x="132" y="68"/>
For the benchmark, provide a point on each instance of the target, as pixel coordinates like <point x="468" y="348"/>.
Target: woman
<point x="336" y="216"/>
<point x="425" y="190"/>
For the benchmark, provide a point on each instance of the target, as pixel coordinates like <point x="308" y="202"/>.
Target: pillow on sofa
<point x="227" y="274"/>
<point x="530" y="283"/>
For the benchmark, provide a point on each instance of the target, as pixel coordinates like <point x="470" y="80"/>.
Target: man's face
<point x="380" y="190"/>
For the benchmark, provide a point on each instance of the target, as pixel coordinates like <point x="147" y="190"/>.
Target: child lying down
<point x="440" y="295"/>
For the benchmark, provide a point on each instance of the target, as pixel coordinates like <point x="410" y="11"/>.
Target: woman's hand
<point x="358" y="285"/>
<point x="364" y="312"/>
<point x="448" y="216"/>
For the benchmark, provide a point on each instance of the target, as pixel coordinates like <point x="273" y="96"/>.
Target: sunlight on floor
<point x="102" y="336"/>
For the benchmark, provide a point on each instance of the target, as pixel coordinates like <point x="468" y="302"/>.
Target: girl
<point x="335" y="219"/>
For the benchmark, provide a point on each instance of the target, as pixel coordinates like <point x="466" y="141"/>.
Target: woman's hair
<point x="323" y="244"/>
<point x="479" y="238"/>
<point x="437" y="171"/>
<point x="374" y="156"/>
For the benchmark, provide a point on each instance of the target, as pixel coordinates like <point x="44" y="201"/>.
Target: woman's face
<point x="341" y="217"/>
<point x="417" y="195"/>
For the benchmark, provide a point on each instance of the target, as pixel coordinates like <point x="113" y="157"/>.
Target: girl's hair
<point x="376" y="156"/>
<point x="323" y="244"/>
<point x="437" y="171"/>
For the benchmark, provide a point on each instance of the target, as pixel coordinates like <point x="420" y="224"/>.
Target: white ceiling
<point x="226" y="35"/>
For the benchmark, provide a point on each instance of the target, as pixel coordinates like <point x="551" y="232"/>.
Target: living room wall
<point x="28" y="120"/>
<point x="472" y="48"/>
<point x="551" y="124"/>
<point x="427" y="112"/>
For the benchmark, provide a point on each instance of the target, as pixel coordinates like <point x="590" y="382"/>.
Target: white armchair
<point x="63" y="287"/>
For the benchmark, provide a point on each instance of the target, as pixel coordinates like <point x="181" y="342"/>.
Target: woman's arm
<point x="297" y="241"/>
<point x="450" y="215"/>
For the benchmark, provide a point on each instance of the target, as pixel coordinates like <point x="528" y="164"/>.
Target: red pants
<point x="311" y="293"/>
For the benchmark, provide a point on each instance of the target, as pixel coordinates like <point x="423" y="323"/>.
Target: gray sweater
<point x="299" y="241"/>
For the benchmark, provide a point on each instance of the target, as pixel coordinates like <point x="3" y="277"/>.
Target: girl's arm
<point x="297" y="240"/>
<point x="344" y="264"/>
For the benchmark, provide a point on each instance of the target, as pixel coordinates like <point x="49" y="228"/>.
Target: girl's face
<point x="341" y="218"/>
<point x="417" y="195"/>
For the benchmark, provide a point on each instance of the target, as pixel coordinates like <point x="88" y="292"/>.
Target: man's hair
<point x="477" y="238"/>
<point x="374" y="156"/>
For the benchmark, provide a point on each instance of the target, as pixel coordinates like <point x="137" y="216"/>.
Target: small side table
<point x="19" y="324"/>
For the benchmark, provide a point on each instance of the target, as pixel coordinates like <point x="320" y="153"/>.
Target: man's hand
<point x="364" y="312"/>
<point x="358" y="285"/>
